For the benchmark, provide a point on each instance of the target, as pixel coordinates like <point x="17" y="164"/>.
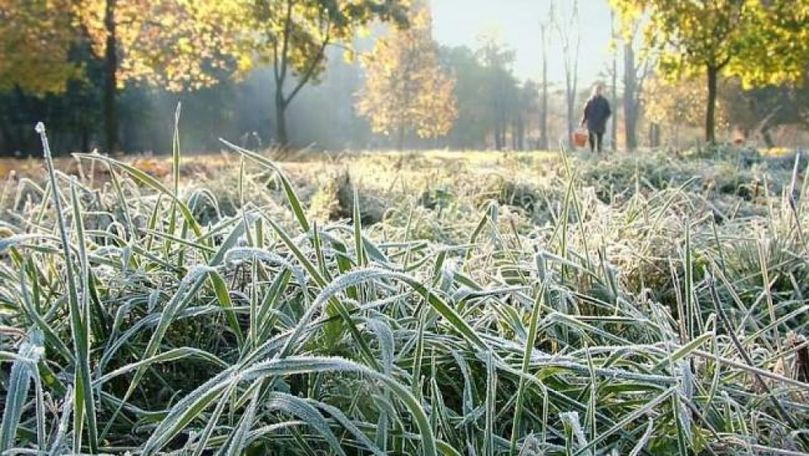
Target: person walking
<point x="596" y="112"/>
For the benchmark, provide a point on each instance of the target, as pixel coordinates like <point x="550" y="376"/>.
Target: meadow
<point x="428" y="303"/>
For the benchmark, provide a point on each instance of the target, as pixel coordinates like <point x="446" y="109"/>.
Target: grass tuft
<point x="475" y="304"/>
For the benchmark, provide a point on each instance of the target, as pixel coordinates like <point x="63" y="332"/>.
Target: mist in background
<point x="499" y="103"/>
<point x="323" y="116"/>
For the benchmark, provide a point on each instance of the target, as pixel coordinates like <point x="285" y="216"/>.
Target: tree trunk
<point x="502" y="122"/>
<point x="710" y="112"/>
<point x="630" y="97"/>
<point x="571" y="98"/>
<point x="85" y="138"/>
<point x="766" y="136"/>
<point x="503" y="131"/>
<point x="543" y="116"/>
<point x="110" y="79"/>
<point x="614" y="132"/>
<point x="18" y="129"/>
<point x="8" y="144"/>
<point x="401" y="139"/>
<point x="654" y="135"/>
<point x="543" y="111"/>
<point x="281" y="118"/>
<point x="521" y="134"/>
<point x="3" y="138"/>
<point x="614" y="119"/>
<point x="575" y="74"/>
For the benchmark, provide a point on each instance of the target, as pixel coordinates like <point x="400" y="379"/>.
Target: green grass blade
<point x="83" y="394"/>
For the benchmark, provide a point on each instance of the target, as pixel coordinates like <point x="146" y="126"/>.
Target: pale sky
<point x="460" y="22"/>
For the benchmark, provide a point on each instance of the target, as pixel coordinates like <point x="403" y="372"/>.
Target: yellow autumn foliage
<point x="406" y="88"/>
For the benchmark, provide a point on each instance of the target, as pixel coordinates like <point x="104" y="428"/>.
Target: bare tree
<point x="634" y="76"/>
<point x="614" y="120"/>
<point x="543" y="103"/>
<point x="569" y="31"/>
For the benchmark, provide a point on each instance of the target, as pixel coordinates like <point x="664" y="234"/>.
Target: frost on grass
<point x="266" y="333"/>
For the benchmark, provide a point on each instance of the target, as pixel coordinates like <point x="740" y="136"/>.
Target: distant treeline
<point x="108" y="74"/>
<point x="490" y="101"/>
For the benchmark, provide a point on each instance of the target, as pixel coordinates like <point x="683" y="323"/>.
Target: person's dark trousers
<point x="595" y="138"/>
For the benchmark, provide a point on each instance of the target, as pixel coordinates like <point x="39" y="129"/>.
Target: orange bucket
<point x="580" y="138"/>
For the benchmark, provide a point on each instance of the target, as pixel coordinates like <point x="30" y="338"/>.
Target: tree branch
<point x="310" y="71"/>
<point x="275" y="63"/>
<point x="285" y="45"/>
<point x="724" y="62"/>
<point x="764" y="122"/>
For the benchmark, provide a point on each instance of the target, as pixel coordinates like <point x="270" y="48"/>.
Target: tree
<point x="45" y="77"/>
<point x="634" y="75"/>
<point x="293" y="36"/>
<point x="543" y="107"/>
<point x="500" y="83"/>
<point x="676" y="104"/>
<point x="614" y="91"/>
<point x="569" y="32"/>
<point x="35" y="42"/>
<point x="775" y="49"/>
<point x="761" y="42"/>
<point x="631" y="99"/>
<point x="176" y="44"/>
<point x="526" y="106"/>
<point x="475" y="118"/>
<point x="406" y="89"/>
<point x="756" y="112"/>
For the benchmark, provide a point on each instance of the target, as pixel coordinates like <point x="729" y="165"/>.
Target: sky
<point x="516" y="22"/>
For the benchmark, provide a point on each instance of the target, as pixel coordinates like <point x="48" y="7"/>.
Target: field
<point x="419" y="303"/>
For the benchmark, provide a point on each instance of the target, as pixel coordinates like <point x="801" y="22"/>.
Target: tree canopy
<point x="179" y="45"/>
<point x="293" y="35"/>
<point x="762" y="43"/>
<point x="175" y="44"/>
<point x="406" y="88"/>
<point x="35" y="41"/>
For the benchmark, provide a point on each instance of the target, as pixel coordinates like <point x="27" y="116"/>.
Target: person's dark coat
<point x="596" y="112"/>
